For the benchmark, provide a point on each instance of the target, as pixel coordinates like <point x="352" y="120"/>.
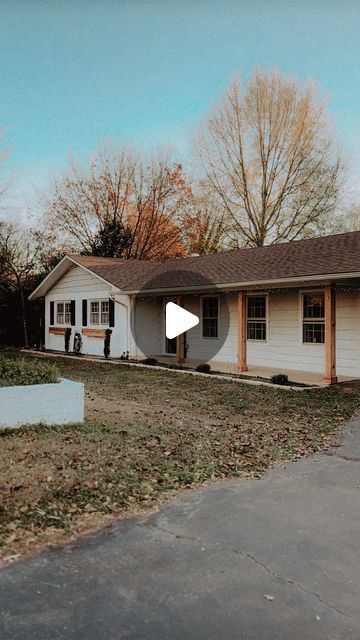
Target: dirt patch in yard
<point x="147" y="434"/>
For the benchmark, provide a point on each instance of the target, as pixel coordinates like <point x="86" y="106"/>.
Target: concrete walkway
<point x="270" y="559"/>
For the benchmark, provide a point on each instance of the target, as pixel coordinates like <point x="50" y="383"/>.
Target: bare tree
<point x="87" y="199"/>
<point x="18" y="265"/>
<point x="122" y="190"/>
<point x="205" y="224"/>
<point x="348" y="220"/>
<point x="270" y="159"/>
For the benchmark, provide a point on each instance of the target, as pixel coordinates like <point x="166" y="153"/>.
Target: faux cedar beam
<point x="330" y="334"/>
<point x="241" y="325"/>
<point x="180" y="340"/>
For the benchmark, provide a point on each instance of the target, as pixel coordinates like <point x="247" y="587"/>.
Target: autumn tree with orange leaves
<point x="123" y="205"/>
<point x="205" y="224"/>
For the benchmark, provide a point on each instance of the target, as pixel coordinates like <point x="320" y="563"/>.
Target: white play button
<point x="178" y="320"/>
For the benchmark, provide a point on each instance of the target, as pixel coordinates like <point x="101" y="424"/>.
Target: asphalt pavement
<point x="276" y="558"/>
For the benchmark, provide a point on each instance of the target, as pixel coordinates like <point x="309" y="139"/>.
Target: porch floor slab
<point x="302" y="377"/>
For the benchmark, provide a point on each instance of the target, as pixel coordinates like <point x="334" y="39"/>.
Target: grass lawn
<point x="148" y="433"/>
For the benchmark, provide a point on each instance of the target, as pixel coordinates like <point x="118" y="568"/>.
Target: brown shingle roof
<point x="336" y="254"/>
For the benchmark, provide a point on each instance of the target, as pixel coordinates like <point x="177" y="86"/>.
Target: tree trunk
<point x="23" y="316"/>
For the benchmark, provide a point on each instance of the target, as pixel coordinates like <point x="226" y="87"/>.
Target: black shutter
<point x="51" y="313"/>
<point x="84" y="313"/>
<point x="111" y="313"/>
<point x="72" y="312"/>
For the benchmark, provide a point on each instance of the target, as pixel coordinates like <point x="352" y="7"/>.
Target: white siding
<point x="149" y="327"/>
<point x="348" y="333"/>
<point x="283" y="347"/>
<point x="78" y="280"/>
<point x="77" y="284"/>
<point x="199" y="347"/>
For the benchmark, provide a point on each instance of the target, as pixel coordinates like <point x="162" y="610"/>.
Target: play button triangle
<point x="178" y="320"/>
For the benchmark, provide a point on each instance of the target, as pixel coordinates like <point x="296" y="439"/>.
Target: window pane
<point x="256" y="307"/>
<point x="105" y="312"/>
<point x="314" y="332"/>
<point x="210" y="328"/>
<point x="210" y="307"/>
<point x="94" y="313"/>
<point x="67" y="312"/>
<point x="314" y="305"/>
<point x="256" y="330"/>
<point x="60" y="313"/>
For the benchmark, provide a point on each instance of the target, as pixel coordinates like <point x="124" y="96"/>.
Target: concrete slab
<point x="270" y="559"/>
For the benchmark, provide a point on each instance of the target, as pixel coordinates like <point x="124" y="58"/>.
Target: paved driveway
<point x="275" y="559"/>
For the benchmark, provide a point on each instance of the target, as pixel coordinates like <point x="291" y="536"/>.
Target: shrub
<point x="203" y="368"/>
<point x="280" y="378"/>
<point x="150" y="361"/>
<point x="18" y="371"/>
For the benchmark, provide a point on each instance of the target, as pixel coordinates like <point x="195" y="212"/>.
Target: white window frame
<point x="306" y="292"/>
<point x="65" y="313"/>
<point x="267" y="316"/>
<point x="99" y="302"/>
<point x="202" y="298"/>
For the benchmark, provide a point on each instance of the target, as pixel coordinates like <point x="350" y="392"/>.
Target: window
<point x="63" y="313"/>
<point x="210" y="317"/>
<point x="99" y="312"/>
<point x="94" y="313"/>
<point x="105" y="312"/>
<point x="314" y="318"/>
<point x="256" y="318"/>
<point x="60" y="313"/>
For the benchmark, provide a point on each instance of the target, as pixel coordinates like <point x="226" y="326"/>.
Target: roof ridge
<point x="226" y="252"/>
<point x="268" y="246"/>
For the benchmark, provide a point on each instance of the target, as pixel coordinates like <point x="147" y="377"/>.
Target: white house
<point x="289" y="307"/>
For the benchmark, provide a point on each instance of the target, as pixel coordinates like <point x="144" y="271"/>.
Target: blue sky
<point x="74" y="73"/>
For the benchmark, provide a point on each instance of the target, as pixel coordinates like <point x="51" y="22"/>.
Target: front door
<point x="170" y="346"/>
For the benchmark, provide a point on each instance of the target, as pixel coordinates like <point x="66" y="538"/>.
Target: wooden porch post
<point x="180" y="340"/>
<point x="330" y="334"/>
<point x="242" y="337"/>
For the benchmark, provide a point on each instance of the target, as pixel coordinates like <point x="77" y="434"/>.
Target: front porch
<point x="317" y="343"/>
<point x="301" y="377"/>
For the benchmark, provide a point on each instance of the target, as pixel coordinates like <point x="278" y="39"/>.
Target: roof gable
<point x="61" y="269"/>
